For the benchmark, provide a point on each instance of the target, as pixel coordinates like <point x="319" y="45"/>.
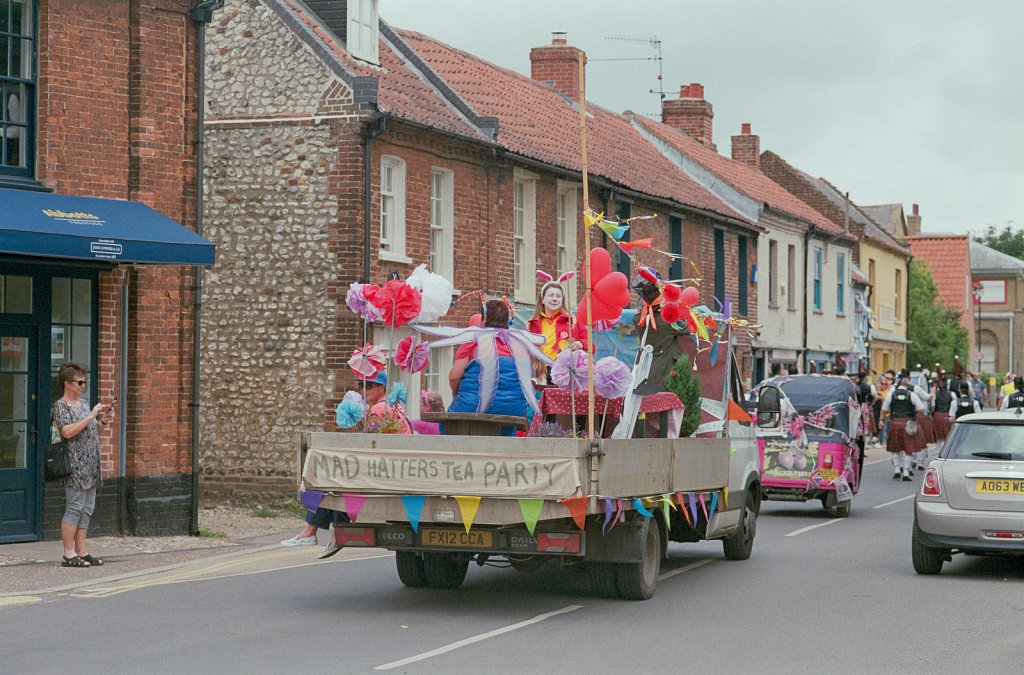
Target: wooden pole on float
<point x="591" y="352"/>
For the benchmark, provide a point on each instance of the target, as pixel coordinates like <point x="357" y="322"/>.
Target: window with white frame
<point x="840" y="283"/>
<point x="524" y="237"/>
<point x="773" y="273"/>
<point x="817" y="279"/>
<point x="565" y="225"/>
<point x="392" y="205"/>
<point x="791" y="276"/>
<point x="435" y="376"/>
<point x="362" y="34"/>
<point x="442" y="223"/>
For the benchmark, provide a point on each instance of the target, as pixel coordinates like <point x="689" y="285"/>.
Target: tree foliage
<point x="684" y="382"/>
<point x="933" y="329"/>
<point x="1008" y="240"/>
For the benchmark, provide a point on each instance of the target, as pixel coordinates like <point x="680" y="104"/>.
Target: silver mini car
<point x="972" y="496"/>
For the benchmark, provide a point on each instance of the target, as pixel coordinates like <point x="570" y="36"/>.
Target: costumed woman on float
<point x="552" y="320"/>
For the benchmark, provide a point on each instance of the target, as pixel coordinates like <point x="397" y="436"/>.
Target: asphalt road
<point x="818" y="595"/>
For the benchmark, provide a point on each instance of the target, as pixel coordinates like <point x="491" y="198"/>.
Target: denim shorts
<point x="80" y="505"/>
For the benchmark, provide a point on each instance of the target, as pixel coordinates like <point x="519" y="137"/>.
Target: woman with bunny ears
<point x="552" y="320"/>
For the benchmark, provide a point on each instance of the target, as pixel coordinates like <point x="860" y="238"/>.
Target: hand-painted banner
<point x="440" y="473"/>
<point x="708" y="427"/>
<point x="712" y="407"/>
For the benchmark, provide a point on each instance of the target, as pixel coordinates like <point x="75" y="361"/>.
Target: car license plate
<point x="829" y="475"/>
<point x="1000" y="486"/>
<point x="456" y="538"/>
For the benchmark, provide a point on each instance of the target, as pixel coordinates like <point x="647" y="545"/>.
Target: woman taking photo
<point x="78" y="427"/>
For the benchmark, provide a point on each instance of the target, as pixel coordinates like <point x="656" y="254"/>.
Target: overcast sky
<point x="909" y="101"/>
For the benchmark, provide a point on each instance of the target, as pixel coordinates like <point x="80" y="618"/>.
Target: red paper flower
<point x="671" y="293"/>
<point x="398" y="302"/>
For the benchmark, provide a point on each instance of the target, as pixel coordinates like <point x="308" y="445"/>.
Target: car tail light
<point x="355" y="536"/>
<point x="930" y="486"/>
<point x="555" y="542"/>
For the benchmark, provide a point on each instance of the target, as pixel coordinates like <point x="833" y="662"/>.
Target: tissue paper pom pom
<point x="671" y="293"/>
<point x="570" y="370"/>
<point x="356" y="301"/>
<point x="670" y="313"/>
<point x="399" y="394"/>
<point x="436" y="293"/>
<point x="611" y="377"/>
<point x="367" y="361"/>
<point x="398" y="302"/>
<point x="411" y="356"/>
<point x="350" y="410"/>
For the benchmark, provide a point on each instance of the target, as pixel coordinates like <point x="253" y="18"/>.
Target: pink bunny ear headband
<point x="548" y="278"/>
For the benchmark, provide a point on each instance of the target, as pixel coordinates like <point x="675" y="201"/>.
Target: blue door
<point x="20" y="434"/>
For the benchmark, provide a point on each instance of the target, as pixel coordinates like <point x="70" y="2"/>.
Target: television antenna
<point x="653" y="41"/>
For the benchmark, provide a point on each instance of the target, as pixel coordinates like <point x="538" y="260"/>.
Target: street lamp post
<point x="977" y="290"/>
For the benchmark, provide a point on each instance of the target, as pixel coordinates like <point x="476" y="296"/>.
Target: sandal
<point x="95" y="562"/>
<point x="74" y="561"/>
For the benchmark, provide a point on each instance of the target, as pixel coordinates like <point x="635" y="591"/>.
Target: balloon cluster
<point x="610" y="290"/>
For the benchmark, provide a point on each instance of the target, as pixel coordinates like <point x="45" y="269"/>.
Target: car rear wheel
<point x="927" y="560"/>
<point x="445" y="570"/>
<point x="843" y="509"/>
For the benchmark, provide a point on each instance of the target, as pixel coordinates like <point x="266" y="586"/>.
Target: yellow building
<point x="885" y="260"/>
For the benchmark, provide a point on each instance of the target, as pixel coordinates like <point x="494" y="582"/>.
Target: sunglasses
<point x="80" y="383"/>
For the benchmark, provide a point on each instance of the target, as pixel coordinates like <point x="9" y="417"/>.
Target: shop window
<point x="71" y="327"/>
<point x="17" y="88"/>
<point x="15" y="294"/>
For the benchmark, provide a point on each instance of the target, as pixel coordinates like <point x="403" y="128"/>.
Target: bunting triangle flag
<point x="638" y="505"/>
<point x="667" y="499"/>
<point x="531" y="512"/>
<point x="725" y="497"/>
<point x="613" y="229"/>
<point x="469" y="507"/>
<point x="693" y="508"/>
<point x="713" y="357"/>
<point x="704" y="506"/>
<point x="577" y="509"/>
<point x="414" y="508"/>
<point x="737" y="414"/>
<point x="714" y="503"/>
<point x="353" y="505"/>
<point x="590" y="218"/>
<point x="311" y="499"/>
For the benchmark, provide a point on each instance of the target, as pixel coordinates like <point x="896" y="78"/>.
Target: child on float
<point x="552" y="319"/>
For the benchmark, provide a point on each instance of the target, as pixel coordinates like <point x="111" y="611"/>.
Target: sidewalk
<point x="34" y="567"/>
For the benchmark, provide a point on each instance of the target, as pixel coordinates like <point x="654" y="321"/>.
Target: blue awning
<point x="86" y="228"/>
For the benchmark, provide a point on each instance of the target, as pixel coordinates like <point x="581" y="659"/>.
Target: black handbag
<point x="58" y="458"/>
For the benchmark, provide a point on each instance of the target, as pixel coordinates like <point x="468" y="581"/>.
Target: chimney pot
<point x="915" y="210"/>
<point x="745" y="128"/>
<point x="558" y="38"/>
<point x="746" y="147"/>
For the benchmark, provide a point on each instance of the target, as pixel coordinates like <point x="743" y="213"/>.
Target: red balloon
<point x="600" y="264"/>
<point x="690" y="296"/>
<point x="613" y="290"/>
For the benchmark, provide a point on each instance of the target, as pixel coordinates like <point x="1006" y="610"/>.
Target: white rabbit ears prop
<point x="541" y="274"/>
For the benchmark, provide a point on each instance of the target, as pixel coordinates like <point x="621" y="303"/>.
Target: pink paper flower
<point x="356" y="301"/>
<point x="412" y="356"/>
<point x="398" y="302"/>
<point x="367" y="361"/>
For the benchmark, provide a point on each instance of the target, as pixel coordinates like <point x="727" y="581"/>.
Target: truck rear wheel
<point x="603" y="579"/>
<point x="741" y="543"/>
<point x="445" y="570"/>
<point x="410" y="569"/>
<point x="637" y="581"/>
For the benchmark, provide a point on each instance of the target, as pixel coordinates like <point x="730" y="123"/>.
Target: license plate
<point x="456" y="538"/>
<point x="829" y="474"/>
<point x="994" y="486"/>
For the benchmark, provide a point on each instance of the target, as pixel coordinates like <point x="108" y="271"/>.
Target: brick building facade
<point x="108" y="100"/>
<point x="303" y="135"/>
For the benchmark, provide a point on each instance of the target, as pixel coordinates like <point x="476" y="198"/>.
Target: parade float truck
<point x="610" y="504"/>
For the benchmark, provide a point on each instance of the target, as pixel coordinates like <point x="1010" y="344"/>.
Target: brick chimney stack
<point x="690" y="113"/>
<point x="557" y="64"/>
<point x="746" y="147"/>
<point x="914" y="223"/>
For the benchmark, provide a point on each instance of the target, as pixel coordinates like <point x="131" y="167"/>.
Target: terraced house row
<point x="337" y="148"/>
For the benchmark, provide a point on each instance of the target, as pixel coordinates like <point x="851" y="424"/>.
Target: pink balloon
<point x="690" y="297"/>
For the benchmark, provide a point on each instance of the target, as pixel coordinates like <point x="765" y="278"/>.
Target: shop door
<point x="20" y="480"/>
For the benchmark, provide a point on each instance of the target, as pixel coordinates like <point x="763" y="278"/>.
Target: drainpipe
<point x="201" y="13"/>
<point x="378" y="123"/>
<point x="807" y="263"/>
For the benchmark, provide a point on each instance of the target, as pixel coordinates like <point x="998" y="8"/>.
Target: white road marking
<point x="691" y="566"/>
<point x="895" y="501"/>
<point x="477" y="638"/>
<point x="813" y="527"/>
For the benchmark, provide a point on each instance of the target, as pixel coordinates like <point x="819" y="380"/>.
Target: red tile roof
<point x="742" y="177"/>
<point x="948" y="258"/>
<point x="539" y="123"/>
